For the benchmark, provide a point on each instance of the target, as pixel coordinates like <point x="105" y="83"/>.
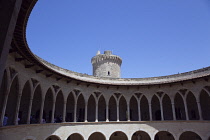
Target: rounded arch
<point x="24" y="103"/>
<point x="70" y="108"/>
<point x="112" y="109"/>
<point x="118" y="135"/>
<point x="48" y="106"/>
<point x="123" y="112"/>
<point x="59" y="104"/>
<point x="179" y="107"/>
<point x="80" y="108"/>
<point x="75" y="136"/>
<point x="192" y="106"/>
<point x="91" y="109"/>
<point x="53" y="137"/>
<point x="205" y="103"/>
<point x="144" y="107"/>
<point x="97" y="136"/>
<point x="164" y="135"/>
<point x="133" y="109"/>
<point x="101" y="108"/>
<point x="140" y="135"/>
<point x="167" y="108"/>
<point x="12" y="101"/>
<point x="156" y="112"/>
<point x="189" y="135"/>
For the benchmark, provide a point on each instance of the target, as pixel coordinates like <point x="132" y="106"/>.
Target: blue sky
<point x="153" y="37"/>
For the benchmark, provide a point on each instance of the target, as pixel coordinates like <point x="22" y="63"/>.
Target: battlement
<point x="106" y="56"/>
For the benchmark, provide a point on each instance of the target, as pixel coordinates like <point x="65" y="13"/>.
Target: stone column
<point x="29" y="110"/>
<point x="17" y="108"/>
<point x="75" y="111"/>
<point x="53" y="112"/>
<point x="161" y="109"/>
<point x="186" y="109"/>
<point x="150" y="111"/>
<point x="107" y="112"/>
<point x="64" y="111"/>
<point x="4" y="107"/>
<point x="199" y="110"/>
<point x="118" y="112"/>
<point x="128" y="112"/>
<point x="96" y="112"/>
<point x="41" y="112"/>
<point x="173" y="110"/>
<point x="139" y="110"/>
<point x="86" y="107"/>
<point x="9" y="10"/>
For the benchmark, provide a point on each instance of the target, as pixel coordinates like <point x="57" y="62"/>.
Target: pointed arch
<point x="101" y="108"/>
<point x="80" y="108"/>
<point x="133" y="109"/>
<point x="123" y="113"/>
<point x="58" y="115"/>
<point x="3" y="90"/>
<point x="192" y="106"/>
<point x="167" y="108"/>
<point x="24" y="104"/>
<point x="70" y="107"/>
<point x="91" y="109"/>
<point x="156" y="111"/>
<point x="144" y="107"/>
<point x="48" y="105"/>
<point x="112" y="109"/>
<point x="36" y="105"/>
<point x="12" y="101"/>
<point x="205" y="104"/>
<point x="179" y="107"/>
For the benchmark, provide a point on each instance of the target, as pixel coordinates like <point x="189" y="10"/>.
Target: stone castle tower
<point x="106" y="65"/>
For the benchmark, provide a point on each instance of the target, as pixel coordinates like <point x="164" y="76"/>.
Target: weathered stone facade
<point x="45" y="102"/>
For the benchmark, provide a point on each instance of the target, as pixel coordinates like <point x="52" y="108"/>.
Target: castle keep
<point x="41" y="101"/>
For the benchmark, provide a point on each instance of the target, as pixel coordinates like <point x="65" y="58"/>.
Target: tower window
<point x="108" y="73"/>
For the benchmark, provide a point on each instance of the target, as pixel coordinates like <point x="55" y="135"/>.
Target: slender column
<point x="86" y="105"/>
<point x="96" y="112"/>
<point x="17" y="109"/>
<point x="161" y="109"/>
<point x="107" y="112"/>
<point x="150" y="111"/>
<point x="41" y="112"/>
<point x="118" y="112"/>
<point x="199" y="110"/>
<point x="64" y="111"/>
<point x="173" y="110"/>
<point x="75" y="112"/>
<point x="29" y="111"/>
<point x="128" y="112"/>
<point x="4" y="107"/>
<point x="139" y="110"/>
<point x="186" y="110"/>
<point x="53" y="112"/>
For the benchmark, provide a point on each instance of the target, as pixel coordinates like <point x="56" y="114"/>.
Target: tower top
<point x="106" y="65"/>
